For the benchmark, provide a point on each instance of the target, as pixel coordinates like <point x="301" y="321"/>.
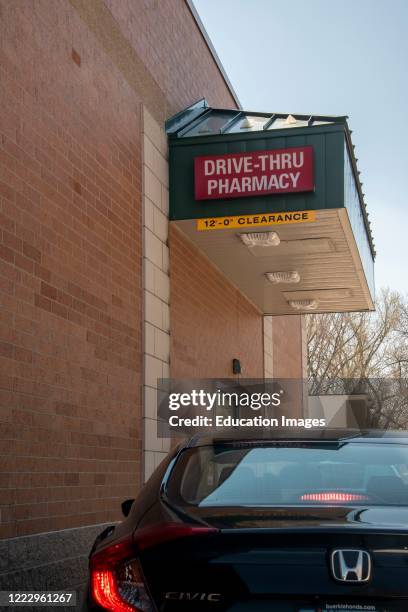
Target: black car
<point x="318" y="522"/>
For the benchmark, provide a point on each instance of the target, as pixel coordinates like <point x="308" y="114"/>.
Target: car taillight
<point x="105" y="592"/>
<point x="333" y="496"/>
<point x="117" y="581"/>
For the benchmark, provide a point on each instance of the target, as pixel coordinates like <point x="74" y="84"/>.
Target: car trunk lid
<point x="278" y="555"/>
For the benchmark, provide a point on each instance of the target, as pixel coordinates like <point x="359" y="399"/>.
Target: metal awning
<point x="274" y="200"/>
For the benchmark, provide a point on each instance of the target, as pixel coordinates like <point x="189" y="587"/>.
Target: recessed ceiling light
<point x="260" y="239"/>
<point x="275" y="278"/>
<point x="304" y="304"/>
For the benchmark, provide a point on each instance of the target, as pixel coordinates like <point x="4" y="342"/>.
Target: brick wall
<point x="74" y="75"/>
<point x="175" y="53"/>
<point x="159" y="49"/>
<point x="156" y="284"/>
<point x="288" y="338"/>
<point x="70" y="274"/>
<point x="211" y="321"/>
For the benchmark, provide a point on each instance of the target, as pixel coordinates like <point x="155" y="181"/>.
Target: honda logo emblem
<point x="350" y="565"/>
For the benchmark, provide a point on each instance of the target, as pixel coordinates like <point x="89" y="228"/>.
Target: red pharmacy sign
<point x="238" y="175"/>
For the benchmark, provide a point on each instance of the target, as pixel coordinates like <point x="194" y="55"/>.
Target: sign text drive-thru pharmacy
<point x="238" y="175"/>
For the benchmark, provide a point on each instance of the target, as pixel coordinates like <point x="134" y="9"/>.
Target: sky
<point x="347" y="57"/>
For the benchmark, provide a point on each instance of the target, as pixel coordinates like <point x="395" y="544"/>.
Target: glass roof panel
<point x="319" y="122"/>
<point x="213" y="121"/>
<point x="211" y="124"/>
<point x="248" y="123"/>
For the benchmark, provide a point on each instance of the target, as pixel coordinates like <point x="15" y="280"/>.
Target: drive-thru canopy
<point x="275" y="202"/>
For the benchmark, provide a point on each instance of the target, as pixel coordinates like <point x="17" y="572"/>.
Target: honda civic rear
<point x="246" y="525"/>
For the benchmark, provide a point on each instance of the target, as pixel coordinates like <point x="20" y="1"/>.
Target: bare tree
<point x="400" y="349"/>
<point x="363" y="352"/>
<point x="357" y="344"/>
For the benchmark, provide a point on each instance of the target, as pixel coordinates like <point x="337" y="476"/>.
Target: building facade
<point x="98" y="297"/>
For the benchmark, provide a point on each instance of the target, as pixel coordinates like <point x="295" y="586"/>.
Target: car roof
<point x="298" y="435"/>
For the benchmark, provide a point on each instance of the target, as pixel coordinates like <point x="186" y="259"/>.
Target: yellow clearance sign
<point x="259" y="220"/>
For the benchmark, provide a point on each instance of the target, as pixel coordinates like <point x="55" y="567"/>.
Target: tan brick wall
<point x="211" y="321"/>
<point x="74" y="75"/>
<point x="268" y="347"/>
<point x="156" y="285"/>
<point x="288" y="346"/>
<point x="288" y="358"/>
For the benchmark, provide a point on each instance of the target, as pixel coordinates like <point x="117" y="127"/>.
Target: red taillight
<point x="115" y="567"/>
<point x="333" y="496"/>
<point x="105" y="592"/>
<point x="104" y="584"/>
<point x="156" y="534"/>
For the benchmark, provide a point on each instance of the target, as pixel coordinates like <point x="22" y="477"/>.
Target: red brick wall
<point x="211" y="322"/>
<point x="70" y="247"/>
<point x="175" y="52"/>
<point x="70" y="275"/>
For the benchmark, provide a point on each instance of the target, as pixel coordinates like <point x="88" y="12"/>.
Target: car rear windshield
<point x="291" y="474"/>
